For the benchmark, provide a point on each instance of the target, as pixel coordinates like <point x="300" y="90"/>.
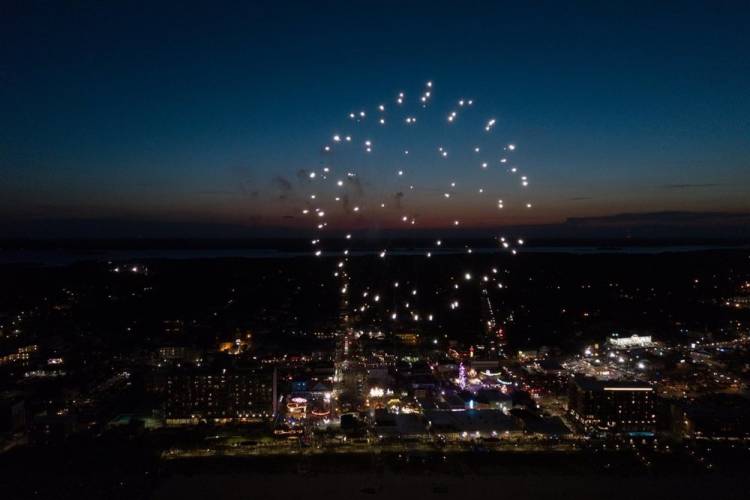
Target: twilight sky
<point x="213" y="114"/>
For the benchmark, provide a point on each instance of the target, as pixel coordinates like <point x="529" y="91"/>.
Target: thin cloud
<point x="689" y="186"/>
<point x="663" y="218"/>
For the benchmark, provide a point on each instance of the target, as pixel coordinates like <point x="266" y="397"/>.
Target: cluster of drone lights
<point x="325" y="180"/>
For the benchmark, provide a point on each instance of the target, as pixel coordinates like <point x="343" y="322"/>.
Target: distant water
<point x="68" y="257"/>
<point x="635" y="249"/>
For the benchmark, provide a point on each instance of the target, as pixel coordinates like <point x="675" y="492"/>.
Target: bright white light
<point x="376" y="392"/>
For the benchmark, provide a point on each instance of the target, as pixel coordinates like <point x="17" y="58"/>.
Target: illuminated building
<point x="21" y="355"/>
<point x="219" y="396"/>
<point x="630" y="342"/>
<point x="612" y="406"/>
<point x="408" y="338"/>
<point x="177" y="353"/>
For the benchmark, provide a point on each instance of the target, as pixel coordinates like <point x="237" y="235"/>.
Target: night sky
<point x="212" y="115"/>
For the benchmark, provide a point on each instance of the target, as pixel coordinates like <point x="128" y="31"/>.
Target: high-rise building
<point x="220" y="395"/>
<point x="612" y="406"/>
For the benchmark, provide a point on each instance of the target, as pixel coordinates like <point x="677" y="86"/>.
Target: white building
<point x="632" y="341"/>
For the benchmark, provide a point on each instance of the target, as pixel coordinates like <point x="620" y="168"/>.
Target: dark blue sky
<point x="200" y="113"/>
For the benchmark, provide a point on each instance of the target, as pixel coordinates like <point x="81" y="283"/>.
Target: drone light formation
<point x="321" y="206"/>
